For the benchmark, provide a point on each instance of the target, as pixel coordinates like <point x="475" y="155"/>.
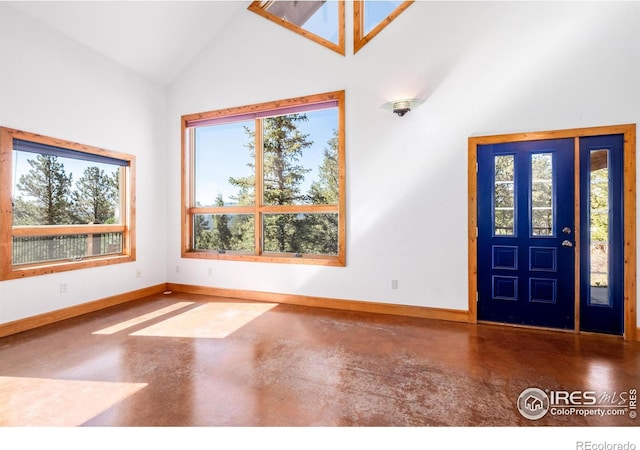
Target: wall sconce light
<point x="401" y="107"/>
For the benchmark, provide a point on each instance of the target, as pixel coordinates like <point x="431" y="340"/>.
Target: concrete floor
<point x="189" y="360"/>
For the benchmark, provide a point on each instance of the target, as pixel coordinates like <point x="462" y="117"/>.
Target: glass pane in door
<point x="504" y="196"/>
<point x="542" y="194"/>
<point x="599" y="228"/>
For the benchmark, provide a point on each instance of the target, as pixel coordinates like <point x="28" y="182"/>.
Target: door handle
<point x="567" y="243"/>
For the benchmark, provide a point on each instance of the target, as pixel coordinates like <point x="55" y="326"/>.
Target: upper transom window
<point x="323" y="21"/>
<point x="320" y="21"/>
<point x="371" y="17"/>
<point x="266" y="182"/>
<point x="64" y="205"/>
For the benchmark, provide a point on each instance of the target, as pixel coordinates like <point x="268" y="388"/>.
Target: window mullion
<point x="125" y="199"/>
<point x="189" y="186"/>
<point x="259" y="198"/>
<point x="53" y="230"/>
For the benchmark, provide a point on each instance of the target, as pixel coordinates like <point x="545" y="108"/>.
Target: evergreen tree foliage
<point x="214" y="234"/>
<point x="283" y="176"/>
<point x="95" y="197"/>
<point x="50" y="187"/>
<point x="324" y="191"/>
<point x="48" y="196"/>
<point x="25" y="212"/>
<point x="283" y="148"/>
<point x="202" y="233"/>
<point x="221" y="228"/>
<point x="321" y="230"/>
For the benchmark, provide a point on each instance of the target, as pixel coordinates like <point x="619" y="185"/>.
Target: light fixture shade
<point x="401" y="107"/>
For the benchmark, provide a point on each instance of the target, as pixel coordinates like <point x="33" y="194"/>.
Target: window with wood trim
<point x="320" y="21"/>
<point x="266" y="182"/>
<point x="371" y="17"/>
<point x="64" y="205"/>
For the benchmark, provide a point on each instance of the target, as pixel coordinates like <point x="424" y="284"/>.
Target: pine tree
<point x="47" y="188"/>
<point x="283" y="146"/>
<point x="95" y="197"/>
<point x="50" y="187"/>
<point x="221" y="228"/>
<point x="25" y="212"/>
<point x="203" y="236"/>
<point x="324" y="191"/>
<point x="321" y="230"/>
<point x="215" y="234"/>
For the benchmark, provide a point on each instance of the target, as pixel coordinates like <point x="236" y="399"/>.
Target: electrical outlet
<point x="394" y="284"/>
<point x="138" y="273"/>
<point x="177" y="269"/>
<point x="63" y="288"/>
<point x="210" y="271"/>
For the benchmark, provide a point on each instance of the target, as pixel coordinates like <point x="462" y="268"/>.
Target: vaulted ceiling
<point x="155" y="38"/>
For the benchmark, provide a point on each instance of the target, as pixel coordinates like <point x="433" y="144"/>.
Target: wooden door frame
<point x="629" y="205"/>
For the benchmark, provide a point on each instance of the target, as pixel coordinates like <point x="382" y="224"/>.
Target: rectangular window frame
<point x="8" y="270"/>
<point x="189" y="209"/>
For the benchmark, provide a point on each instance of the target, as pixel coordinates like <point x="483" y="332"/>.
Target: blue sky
<point x="376" y="11"/>
<point x="324" y="22"/>
<point x="222" y="153"/>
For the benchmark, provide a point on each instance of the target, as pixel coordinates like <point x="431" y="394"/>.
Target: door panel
<point x="601" y="234"/>
<point x="525" y="233"/>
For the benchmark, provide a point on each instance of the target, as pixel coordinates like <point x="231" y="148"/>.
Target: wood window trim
<point x="187" y="195"/>
<point x="258" y="8"/>
<point x="629" y="205"/>
<point x="359" y="38"/>
<point x="7" y="270"/>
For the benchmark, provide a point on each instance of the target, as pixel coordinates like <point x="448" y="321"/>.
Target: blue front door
<point x="526" y="254"/>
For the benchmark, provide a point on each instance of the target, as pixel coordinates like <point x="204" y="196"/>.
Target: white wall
<point x="54" y="86"/>
<point x="484" y="68"/>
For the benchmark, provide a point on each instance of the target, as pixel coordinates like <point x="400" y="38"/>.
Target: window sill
<point x="281" y="258"/>
<point x="30" y="270"/>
